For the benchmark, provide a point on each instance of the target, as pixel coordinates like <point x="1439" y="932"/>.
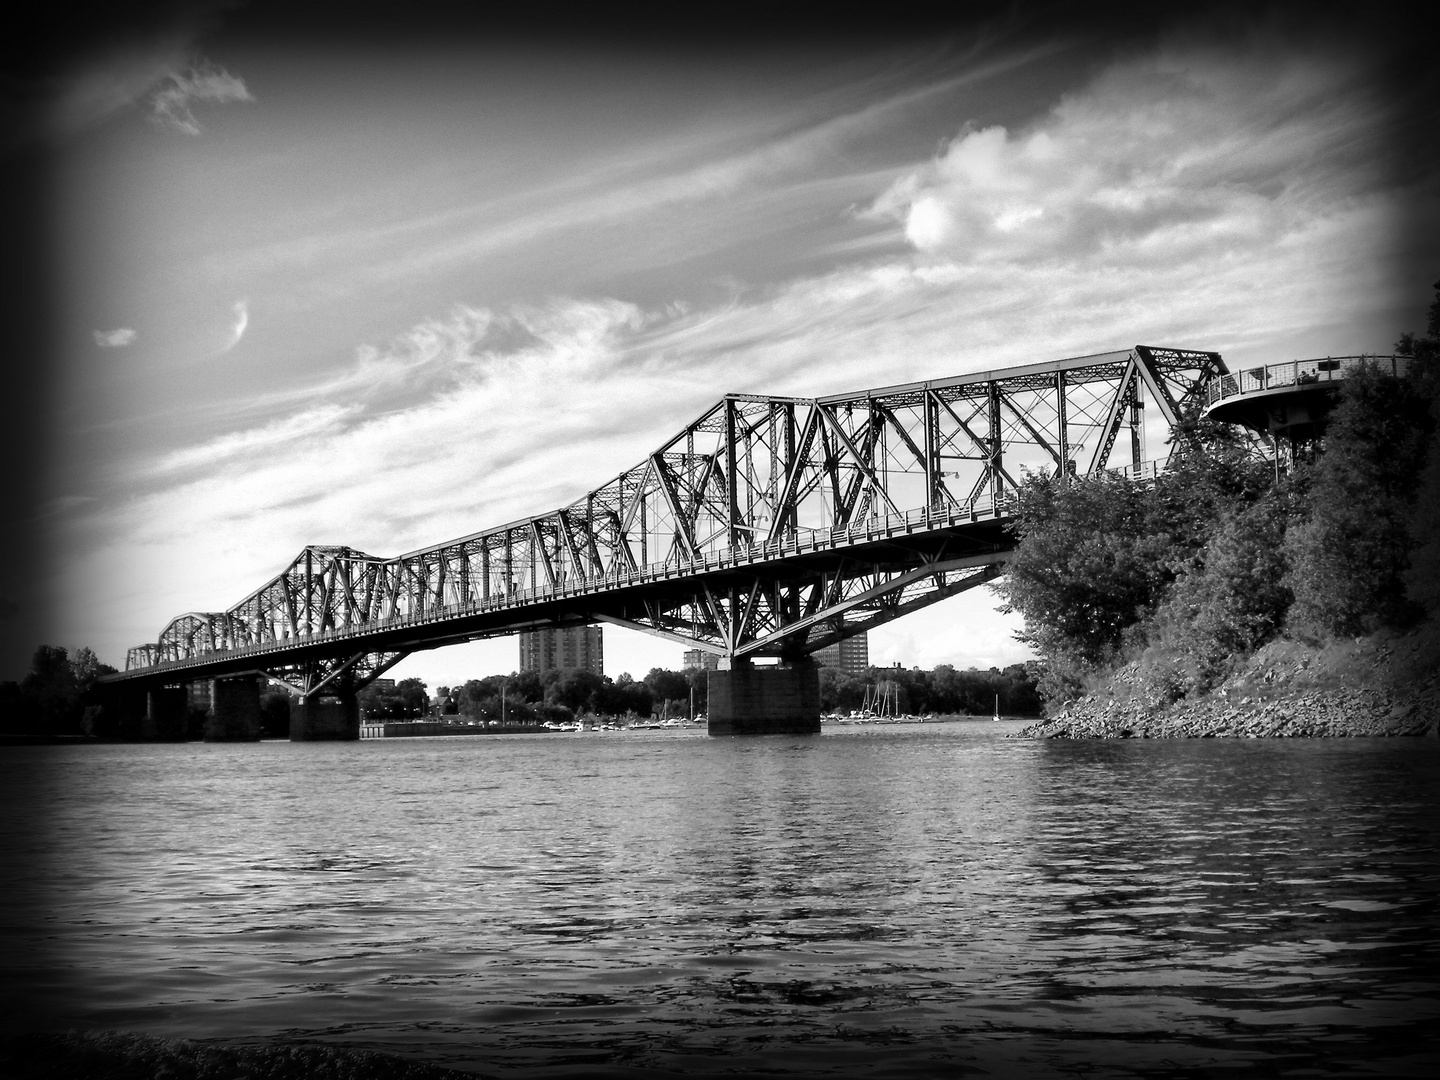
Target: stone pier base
<point x="234" y="714"/>
<point x="165" y="716"/>
<point x="749" y="700"/>
<point x="325" y="717"/>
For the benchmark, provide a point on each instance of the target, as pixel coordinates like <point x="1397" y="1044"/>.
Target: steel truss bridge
<point x="769" y="526"/>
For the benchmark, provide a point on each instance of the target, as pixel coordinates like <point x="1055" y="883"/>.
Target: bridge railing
<point x="1296" y="373"/>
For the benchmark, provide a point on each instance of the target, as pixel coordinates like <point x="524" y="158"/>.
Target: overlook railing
<point x="1296" y="373"/>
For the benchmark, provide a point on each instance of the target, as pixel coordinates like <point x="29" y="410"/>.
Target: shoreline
<point x="1384" y="685"/>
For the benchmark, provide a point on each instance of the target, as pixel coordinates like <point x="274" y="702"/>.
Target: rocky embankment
<point x="1388" y="684"/>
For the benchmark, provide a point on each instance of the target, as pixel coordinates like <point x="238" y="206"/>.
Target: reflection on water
<point x="900" y="901"/>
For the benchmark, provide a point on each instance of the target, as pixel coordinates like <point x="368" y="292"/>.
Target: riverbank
<point x="1383" y="685"/>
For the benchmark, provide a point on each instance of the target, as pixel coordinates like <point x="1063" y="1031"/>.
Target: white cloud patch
<point x="506" y="414"/>
<point x="245" y="446"/>
<point x="114" y="339"/>
<point x="170" y="104"/>
<point x="240" y="312"/>
<point x="1168" y="158"/>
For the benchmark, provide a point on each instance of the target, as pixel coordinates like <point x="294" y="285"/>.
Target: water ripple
<point x="900" y="902"/>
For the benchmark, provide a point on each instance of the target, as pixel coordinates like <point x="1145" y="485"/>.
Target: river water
<point x="934" y="900"/>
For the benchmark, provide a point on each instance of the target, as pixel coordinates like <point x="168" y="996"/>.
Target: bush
<point x="1230" y="602"/>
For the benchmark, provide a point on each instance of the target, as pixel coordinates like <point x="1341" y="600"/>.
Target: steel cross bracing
<point x="768" y="526"/>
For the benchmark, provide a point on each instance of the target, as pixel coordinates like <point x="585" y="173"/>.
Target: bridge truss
<point x="768" y="526"/>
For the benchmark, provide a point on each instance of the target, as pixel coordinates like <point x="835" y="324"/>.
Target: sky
<point x="276" y="281"/>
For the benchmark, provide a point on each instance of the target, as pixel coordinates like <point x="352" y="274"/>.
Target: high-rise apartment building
<point x="701" y="660"/>
<point x="580" y="647"/>
<point x="851" y="656"/>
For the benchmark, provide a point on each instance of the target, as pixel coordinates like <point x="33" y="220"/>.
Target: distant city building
<point x="579" y="647"/>
<point x="383" y="684"/>
<point x="851" y="656"/>
<point x="701" y="660"/>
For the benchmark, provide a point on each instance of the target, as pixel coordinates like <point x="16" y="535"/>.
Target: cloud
<point x="1168" y="157"/>
<point x="516" y="412"/>
<point x="241" y="312"/>
<point x="711" y="164"/>
<point x="114" y="339"/>
<point x="285" y="432"/>
<point x="95" y="67"/>
<point x="170" y="104"/>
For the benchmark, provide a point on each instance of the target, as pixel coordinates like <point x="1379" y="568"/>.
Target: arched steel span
<point x="768" y="526"/>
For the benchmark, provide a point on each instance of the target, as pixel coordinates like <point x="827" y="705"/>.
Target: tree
<point x="87" y="667"/>
<point x="413" y="698"/>
<point x="54" y="696"/>
<point x="1422" y="579"/>
<point x="667" y="686"/>
<point x="1088" y="565"/>
<point x="406" y="700"/>
<point x="576" y="689"/>
<point x="1348" y="561"/>
<point x="1230" y="601"/>
<point x="623" y="696"/>
<point x="1097" y="556"/>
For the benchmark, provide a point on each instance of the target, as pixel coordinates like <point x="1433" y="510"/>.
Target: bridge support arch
<point x="779" y="700"/>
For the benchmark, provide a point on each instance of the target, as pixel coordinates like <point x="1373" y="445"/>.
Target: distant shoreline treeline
<point x="54" y="700"/>
<point x="563" y="694"/>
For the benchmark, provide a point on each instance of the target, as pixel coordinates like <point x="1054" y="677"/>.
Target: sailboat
<point x="997" y="709"/>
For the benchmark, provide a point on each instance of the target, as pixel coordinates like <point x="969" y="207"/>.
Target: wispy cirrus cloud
<point x="115" y="339"/>
<point x="757" y="158"/>
<point x="170" y="103"/>
<point x="484" y="441"/>
<point x="247" y="445"/>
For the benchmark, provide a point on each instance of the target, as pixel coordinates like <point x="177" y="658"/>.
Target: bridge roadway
<point x="769" y="527"/>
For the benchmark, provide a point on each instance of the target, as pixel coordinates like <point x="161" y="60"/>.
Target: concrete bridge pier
<point x="325" y="717"/>
<point x="750" y="700"/>
<point x="234" y="714"/>
<point x="166" y="714"/>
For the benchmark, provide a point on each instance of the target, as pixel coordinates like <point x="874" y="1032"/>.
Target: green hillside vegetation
<point x="1179" y="583"/>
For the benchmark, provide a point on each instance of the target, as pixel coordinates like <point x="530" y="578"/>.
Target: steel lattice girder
<point x="743" y="490"/>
